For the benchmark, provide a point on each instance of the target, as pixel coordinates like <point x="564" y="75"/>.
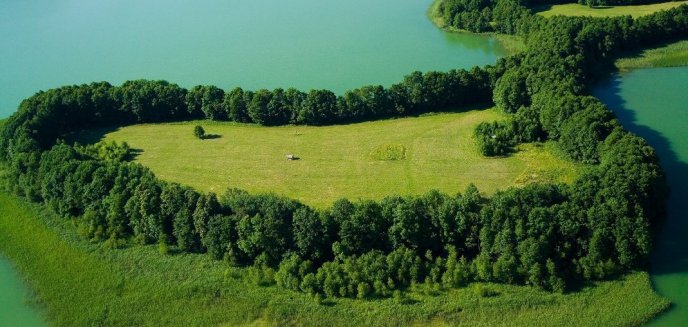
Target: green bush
<point x="199" y="132"/>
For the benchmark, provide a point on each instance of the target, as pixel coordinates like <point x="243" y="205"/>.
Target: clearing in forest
<point x="574" y="9"/>
<point x="358" y="161"/>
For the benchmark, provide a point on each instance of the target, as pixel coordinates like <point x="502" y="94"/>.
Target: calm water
<point x="307" y="44"/>
<point x="14" y="310"/>
<point x="653" y="103"/>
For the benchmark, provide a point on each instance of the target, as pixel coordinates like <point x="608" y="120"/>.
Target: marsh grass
<point x="669" y="55"/>
<point x="83" y="284"/>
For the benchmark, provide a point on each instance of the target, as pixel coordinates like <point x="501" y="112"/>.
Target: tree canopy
<point x="549" y="236"/>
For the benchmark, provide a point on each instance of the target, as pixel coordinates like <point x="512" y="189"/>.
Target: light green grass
<point x="671" y="55"/>
<point x="335" y="161"/>
<point x="511" y="43"/>
<point x="574" y="9"/>
<point x="82" y="284"/>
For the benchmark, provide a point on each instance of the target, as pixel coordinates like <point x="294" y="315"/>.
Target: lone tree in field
<point x="199" y="132"/>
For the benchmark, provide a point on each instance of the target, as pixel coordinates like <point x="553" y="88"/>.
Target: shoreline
<point x="669" y="55"/>
<point x="512" y="44"/>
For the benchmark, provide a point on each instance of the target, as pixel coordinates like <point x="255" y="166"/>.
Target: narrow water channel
<point x="653" y="103"/>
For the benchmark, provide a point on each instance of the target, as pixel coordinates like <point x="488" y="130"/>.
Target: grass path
<point x="336" y="161"/>
<point x="82" y="284"/>
<point x="574" y="9"/>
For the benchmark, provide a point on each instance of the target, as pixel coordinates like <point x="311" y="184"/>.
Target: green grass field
<point x="574" y="9"/>
<point x="671" y="55"/>
<point x="439" y="152"/>
<point x="82" y="284"/>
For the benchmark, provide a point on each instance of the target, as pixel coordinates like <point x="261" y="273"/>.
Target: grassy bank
<point x="574" y="9"/>
<point x="82" y="284"/>
<point x="439" y="152"/>
<point x="671" y="55"/>
<point x="511" y="43"/>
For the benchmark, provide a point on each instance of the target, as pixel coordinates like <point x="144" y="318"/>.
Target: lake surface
<point x="336" y="45"/>
<point x="653" y="103"/>
<point x="14" y="310"/>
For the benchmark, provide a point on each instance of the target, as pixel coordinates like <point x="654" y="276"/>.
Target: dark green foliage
<point x="206" y="207"/>
<point x="416" y="222"/>
<point x="292" y="271"/>
<point x="40" y="120"/>
<point x="312" y="235"/>
<point x="264" y="224"/>
<point x="152" y="101"/>
<point x="220" y="237"/>
<point x="556" y="108"/>
<point x="258" y="107"/>
<point x="544" y="235"/>
<point x="318" y="108"/>
<point x="199" y="132"/>
<point x="511" y="92"/>
<point x="496" y="138"/>
<point x="236" y="105"/>
<point x="206" y="101"/>
<point x="361" y="230"/>
<point x="465" y="14"/>
<point x="582" y="134"/>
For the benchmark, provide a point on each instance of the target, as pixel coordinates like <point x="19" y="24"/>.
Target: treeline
<point x="551" y="236"/>
<point x="141" y="101"/>
<point x="595" y="3"/>
<point x="483" y="15"/>
<point x="551" y="103"/>
<point x="543" y="235"/>
<point x="627" y="181"/>
<point x="506" y="16"/>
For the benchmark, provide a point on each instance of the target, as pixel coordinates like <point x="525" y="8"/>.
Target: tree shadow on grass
<point x="133" y="154"/>
<point x="211" y="136"/>
<point x="89" y="136"/>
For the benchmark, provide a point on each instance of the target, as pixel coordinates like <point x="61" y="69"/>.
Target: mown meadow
<point x="574" y="9"/>
<point x="436" y="151"/>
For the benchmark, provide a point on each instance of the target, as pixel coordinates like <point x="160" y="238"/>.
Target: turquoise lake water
<point x="14" y="308"/>
<point x="336" y="45"/>
<point x="653" y="103"/>
<point x="306" y="44"/>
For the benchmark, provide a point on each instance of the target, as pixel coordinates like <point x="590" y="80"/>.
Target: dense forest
<point x="550" y="236"/>
<point x="505" y="16"/>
